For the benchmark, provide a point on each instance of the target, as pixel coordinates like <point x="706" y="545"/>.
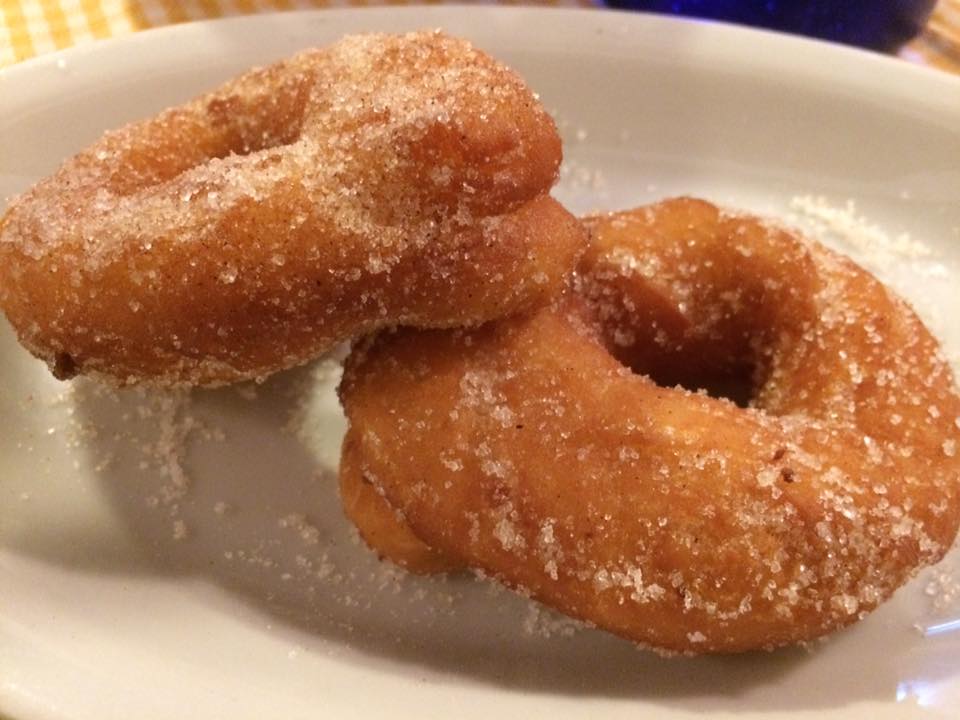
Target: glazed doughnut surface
<point x="540" y="450"/>
<point x="384" y="179"/>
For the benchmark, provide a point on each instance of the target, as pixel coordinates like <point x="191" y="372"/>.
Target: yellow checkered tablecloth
<point x="34" y="27"/>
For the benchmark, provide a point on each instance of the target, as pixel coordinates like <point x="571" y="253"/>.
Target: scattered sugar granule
<point x="543" y="622"/>
<point x="308" y="533"/>
<point x="506" y="532"/>
<point x="179" y="530"/>
<point x="943" y="589"/>
<point x="848" y="226"/>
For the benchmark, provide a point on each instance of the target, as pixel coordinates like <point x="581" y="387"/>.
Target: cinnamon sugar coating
<point x="382" y="180"/>
<point x="381" y="528"/>
<point x="540" y="450"/>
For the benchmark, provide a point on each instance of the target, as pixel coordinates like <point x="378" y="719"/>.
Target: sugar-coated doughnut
<point x="382" y="180"/>
<point x="377" y="523"/>
<point x="550" y="451"/>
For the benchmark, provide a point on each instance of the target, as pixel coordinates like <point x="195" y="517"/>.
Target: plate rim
<point x="846" y="54"/>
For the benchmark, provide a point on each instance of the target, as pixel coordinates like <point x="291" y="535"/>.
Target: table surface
<point x="34" y="27"/>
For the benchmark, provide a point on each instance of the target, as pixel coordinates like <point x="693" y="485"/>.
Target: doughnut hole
<point x="688" y="294"/>
<point x="717" y="312"/>
<point x="235" y="120"/>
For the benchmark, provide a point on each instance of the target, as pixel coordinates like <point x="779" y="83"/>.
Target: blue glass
<point x="876" y="24"/>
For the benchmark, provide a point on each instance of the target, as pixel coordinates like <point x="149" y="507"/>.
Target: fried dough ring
<point x="529" y="449"/>
<point x="380" y="526"/>
<point x="382" y="180"/>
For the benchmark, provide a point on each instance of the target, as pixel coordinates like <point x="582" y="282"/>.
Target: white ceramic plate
<point x="185" y="557"/>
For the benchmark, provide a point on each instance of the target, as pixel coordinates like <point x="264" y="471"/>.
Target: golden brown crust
<point x="383" y="180"/>
<point x="379" y="526"/>
<point x="527" y="449"/>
